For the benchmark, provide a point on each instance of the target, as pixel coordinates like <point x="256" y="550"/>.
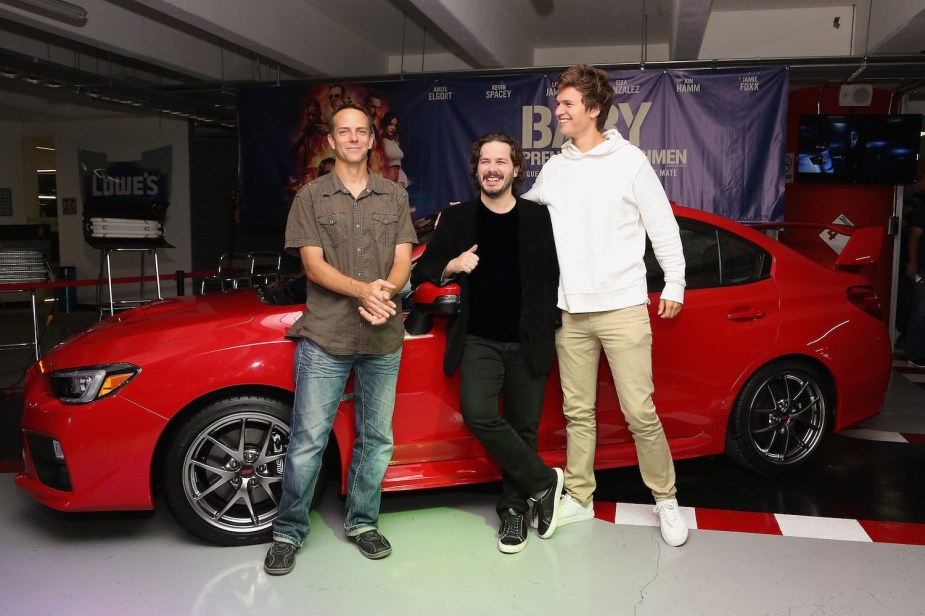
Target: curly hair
<point x="517" y="157"/>
<point x="594" y="87"/>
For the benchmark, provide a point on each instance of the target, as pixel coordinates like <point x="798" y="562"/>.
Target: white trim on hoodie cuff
<point x="674" y="292"/>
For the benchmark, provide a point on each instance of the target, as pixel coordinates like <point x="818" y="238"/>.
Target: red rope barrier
<point x="62" y="284"/>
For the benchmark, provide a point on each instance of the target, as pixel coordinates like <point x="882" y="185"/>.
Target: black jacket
<point x="539" y="278"/>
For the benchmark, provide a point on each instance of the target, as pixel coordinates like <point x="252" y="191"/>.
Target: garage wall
<point x="11" y="171"/>
<point x="122" y="138"/>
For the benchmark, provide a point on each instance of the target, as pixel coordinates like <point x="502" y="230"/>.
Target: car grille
<point x="51" y="470"/>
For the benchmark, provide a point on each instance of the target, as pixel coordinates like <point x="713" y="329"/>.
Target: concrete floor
<point x="846" y="537"/>
<point x="444" y="562"/>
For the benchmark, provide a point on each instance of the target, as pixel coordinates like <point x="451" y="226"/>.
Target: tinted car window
<point x="742" y="262"/>
<point x="714" y="258"/>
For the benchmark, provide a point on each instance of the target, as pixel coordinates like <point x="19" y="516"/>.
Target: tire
<point x="781" y="417"/>
<point x="223" y="469"/>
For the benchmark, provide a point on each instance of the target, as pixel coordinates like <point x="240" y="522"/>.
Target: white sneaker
<point x="672" y="523"/>
<point x="570" y="510"/>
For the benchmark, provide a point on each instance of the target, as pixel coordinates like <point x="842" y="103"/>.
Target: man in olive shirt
<point x="353" y="233"/>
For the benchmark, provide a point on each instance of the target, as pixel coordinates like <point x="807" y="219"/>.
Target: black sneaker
<point x="372" y="545"/>
<point x="280" y="558"/>
<point x="512" y="536"/>
<point x="546" y="507"/>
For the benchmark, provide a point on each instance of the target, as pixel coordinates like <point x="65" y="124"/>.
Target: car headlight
<point x="83" y="385"/>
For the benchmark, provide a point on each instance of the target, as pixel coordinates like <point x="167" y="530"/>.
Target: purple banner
<point x="715" y="137"/>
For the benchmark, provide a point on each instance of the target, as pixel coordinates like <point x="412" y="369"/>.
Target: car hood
<point x="162" y="322"/>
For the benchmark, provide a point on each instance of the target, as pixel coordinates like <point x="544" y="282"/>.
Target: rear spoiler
<point x="863" y="247"/>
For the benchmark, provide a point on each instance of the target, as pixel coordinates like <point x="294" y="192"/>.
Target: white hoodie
<point x="602" y="203"/>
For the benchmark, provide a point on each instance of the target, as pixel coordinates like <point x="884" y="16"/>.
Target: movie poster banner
<point x="715" y="137"/>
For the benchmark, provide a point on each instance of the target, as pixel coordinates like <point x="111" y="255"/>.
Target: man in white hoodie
<point x="604" y="198"/>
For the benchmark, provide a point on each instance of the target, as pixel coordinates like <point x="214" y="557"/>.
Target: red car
<point x="193" y="394"/>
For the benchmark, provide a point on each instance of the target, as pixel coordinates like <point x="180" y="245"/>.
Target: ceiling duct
<point x="203" y="108"/>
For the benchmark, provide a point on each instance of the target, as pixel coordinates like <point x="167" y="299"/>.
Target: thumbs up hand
<point x="464" y="263"/>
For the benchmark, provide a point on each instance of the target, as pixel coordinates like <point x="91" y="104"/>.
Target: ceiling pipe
<point x="56" y="8"/>
<point x="643" y="55"/>
<point x="858" y="72"/>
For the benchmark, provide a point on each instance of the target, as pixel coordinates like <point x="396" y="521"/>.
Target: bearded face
<point x="495" y="170"/>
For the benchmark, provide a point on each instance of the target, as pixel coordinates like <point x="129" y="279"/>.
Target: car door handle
<point x="746" y="313"/>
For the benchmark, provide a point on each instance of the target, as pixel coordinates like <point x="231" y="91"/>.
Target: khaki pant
<point x="626" y="337"/>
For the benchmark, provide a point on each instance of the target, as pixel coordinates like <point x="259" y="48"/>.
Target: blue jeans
<point x="320" y="378"/>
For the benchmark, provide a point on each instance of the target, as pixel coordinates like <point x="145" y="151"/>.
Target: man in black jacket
<point x="501" y="251"/>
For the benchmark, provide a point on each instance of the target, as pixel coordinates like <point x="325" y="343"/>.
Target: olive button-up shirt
<point x="358" y="236"/>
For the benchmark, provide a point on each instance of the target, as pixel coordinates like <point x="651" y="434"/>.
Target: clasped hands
<point x="376" y="305"/>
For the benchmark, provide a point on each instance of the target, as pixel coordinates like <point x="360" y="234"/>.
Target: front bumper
<point x="89" y="457"/>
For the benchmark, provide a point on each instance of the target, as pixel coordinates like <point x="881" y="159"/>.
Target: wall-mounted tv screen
<point x="859" y="149"/>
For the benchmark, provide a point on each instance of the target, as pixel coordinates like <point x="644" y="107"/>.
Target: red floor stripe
<point x="914" y="438"/>
<point x="605" y="511"/>
<point x="894" y="532"/>
<point x="737" y="521"/>
<point x="766" y="523"/>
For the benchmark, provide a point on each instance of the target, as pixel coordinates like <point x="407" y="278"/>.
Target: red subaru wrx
<point x="192" y="395"/>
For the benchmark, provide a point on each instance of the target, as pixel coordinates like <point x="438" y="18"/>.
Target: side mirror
<point x="431" y="300"/>
<point x="436" y="300"/>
